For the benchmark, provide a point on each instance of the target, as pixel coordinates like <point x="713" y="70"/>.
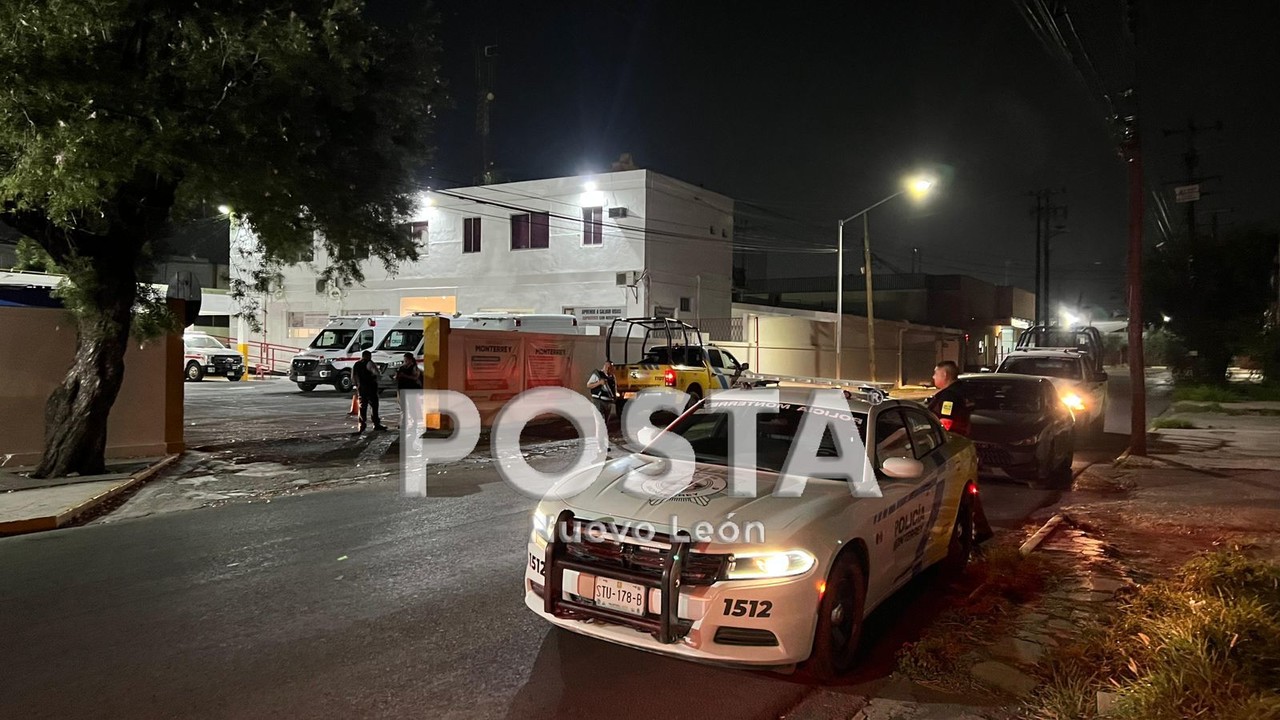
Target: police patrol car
<point x="798" y="588"/>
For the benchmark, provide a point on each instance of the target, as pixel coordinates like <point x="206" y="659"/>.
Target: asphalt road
<point x="352" y="603"/>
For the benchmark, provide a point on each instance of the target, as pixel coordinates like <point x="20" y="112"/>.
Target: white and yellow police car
<point x="767" y="580"/>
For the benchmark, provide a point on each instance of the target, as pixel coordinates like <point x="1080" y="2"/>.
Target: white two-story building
<point x="620" y="244"/>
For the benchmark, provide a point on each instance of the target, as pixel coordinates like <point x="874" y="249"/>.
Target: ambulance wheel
<point x="343" y="385"/>
<point x="306" y="387"/>
<point x="840" y="618"/>
<point x="194" y="372"/>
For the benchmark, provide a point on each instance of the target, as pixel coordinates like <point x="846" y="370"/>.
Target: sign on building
<point x="1186" y="193"/>
<point x="595" y="315"/>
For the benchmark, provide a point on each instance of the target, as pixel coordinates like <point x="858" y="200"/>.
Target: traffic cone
<point x="355" y="405"/>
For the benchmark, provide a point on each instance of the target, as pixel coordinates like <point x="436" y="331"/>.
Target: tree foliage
<point x="119" y="117"/>
<point x="1216" y="294"/>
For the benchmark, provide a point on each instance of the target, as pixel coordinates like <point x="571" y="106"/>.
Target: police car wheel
<point x="306" y="387"/>
<point x="234" y="377"/>
<point x="194" y="372"/>
<point x="840" y="617"/>
<point x="960" y="548"/>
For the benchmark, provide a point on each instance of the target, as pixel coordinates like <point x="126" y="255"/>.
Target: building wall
<point x="1014" y="302"/>
<point x="689" y="241"/>
<point x="40" y="347"/>
<point x="960" y="301"/>
<point x="805" y="346"/>
<point x="656" y="234"/>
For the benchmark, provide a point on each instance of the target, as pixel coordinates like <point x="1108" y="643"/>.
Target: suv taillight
<point x="669" y="377"/>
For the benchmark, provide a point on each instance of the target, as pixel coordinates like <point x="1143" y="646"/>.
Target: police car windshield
<point x="402" y="340"/>
<point x="1067" y="368"/>
<point x="776" y="426"/>
<point x="204" y="343"/>
<point x="333" y="340"/>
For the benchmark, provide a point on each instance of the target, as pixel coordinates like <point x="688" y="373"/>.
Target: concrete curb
<point x="53" y="522"/>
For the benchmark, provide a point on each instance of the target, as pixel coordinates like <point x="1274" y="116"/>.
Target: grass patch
<point x="1203" y="644"/>
<point x="984" y="601"/>
<point x="1232" y="393"/>
<point x="1173" y="423"/>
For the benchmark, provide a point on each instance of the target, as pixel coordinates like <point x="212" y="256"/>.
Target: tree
<point x="120" y="117"/>
<point x="1215" y="294"/>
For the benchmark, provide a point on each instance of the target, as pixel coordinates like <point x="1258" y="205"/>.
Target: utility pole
<point x="486" y="59"/>
<point x="1191" y="161"/>
<point x="1131" y="151"/>
<point x="1046" y="211"/>
<point x="1051" y="213"/>
<point x="1039" y="195"/>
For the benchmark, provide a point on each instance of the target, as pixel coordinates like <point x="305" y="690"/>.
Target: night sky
<point x="805" y="114"/>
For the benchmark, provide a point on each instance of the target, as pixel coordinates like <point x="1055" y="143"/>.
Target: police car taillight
<point x="947" y="424"/>
<point x="669" y="377"/>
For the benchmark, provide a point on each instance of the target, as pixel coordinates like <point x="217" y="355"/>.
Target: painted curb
<point x="53" y="522"/>
<point x="1042" y="534"/>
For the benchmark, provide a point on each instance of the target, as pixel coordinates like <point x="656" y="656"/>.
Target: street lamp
<point x="918" y="187"/>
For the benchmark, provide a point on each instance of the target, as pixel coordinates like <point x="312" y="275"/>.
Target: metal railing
<point x="265" y="358"/>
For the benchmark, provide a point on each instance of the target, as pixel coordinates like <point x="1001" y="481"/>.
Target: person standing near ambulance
<point x="365" y="374"/>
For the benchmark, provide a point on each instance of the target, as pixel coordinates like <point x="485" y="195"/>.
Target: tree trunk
<point x="76" y="414"/>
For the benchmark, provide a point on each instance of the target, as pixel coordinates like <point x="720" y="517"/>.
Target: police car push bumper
<point x="766" y="621"/>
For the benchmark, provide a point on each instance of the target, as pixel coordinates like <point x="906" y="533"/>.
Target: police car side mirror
<point x="744" y="367"/>
<point x="903" y="468"/>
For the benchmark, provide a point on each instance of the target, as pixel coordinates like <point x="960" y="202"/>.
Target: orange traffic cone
<point x="355" y="405"/>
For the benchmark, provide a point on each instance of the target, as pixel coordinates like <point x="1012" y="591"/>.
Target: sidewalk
<point x="1212" y="485"/>
<point x="31" y="505"/>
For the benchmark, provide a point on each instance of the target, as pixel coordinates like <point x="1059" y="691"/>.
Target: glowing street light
<point x="919" y="187"/>
<point x="224" y="209"/>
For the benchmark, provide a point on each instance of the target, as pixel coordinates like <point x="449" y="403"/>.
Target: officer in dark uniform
<point x="365" y="373"/>
<point x="949" y="403"/>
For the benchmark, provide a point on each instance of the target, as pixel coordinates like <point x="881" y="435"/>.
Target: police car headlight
<point x="1073" y="401"/>
<point x="770" y="565"/>
<point x="1026" y="441"/>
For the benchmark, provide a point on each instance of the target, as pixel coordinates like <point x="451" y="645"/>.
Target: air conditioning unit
<point x="627" y="279"/>
<point x="321" y="286"/>
<point x="617" y="212"/>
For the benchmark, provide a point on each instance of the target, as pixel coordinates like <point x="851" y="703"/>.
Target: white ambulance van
<point x="406" y="336"/>
<point x="330" y="356"/>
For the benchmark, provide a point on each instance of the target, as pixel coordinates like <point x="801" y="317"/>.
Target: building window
<point x="471" y="235"/>
<point x="420" y="233"/>
<point x="530" y="231"/>
<point x="685" y="304"/>
<point x="592" y="228"/>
